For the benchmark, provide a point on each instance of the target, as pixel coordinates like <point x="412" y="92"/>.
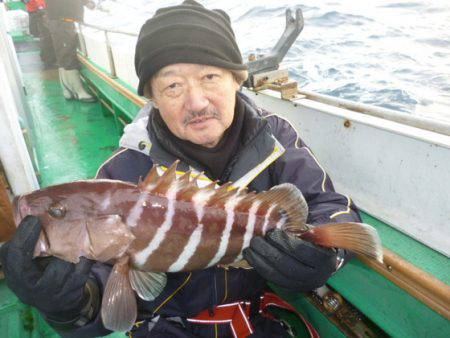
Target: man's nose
<point x="196" y="99"/>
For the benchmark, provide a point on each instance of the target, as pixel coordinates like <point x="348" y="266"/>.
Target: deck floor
<point x="71" y="139"/>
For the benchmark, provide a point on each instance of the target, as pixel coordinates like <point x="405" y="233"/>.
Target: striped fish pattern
<point x="168" y="224"/>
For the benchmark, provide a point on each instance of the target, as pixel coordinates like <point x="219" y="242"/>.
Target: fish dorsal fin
<point x="150" y="180"/>
<point x="196" y="178"/>
<point x="210" y="186"/>
<point x="165" y="181"/>
<point x="188" y="187"/>
<point x="286" y="198"/>
<point x="246" y="203"/>
<point x="187" y="193"/>
<point x="219" y="201"/>
<point x="220" y="194"/>
<point x="184" y="180"/>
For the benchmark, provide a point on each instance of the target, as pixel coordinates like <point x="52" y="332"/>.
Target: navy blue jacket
<point x="272" y="154"/>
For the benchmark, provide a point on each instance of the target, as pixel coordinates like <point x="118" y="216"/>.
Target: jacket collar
<point x="259" y="147"/>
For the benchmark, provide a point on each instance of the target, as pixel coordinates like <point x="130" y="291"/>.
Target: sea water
<point x="392" y="54"/>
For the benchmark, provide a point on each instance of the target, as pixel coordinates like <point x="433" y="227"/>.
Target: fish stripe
<point x="199" y="200"/>
<point x="142" y="256"/>
<point x="136" y="212"/>
<point x="266" y="219"/>
<point x="188" y="250"/>
<point x="281" y="222"/>
<point x="230" y="206"/>
<point x="250" y="228"/>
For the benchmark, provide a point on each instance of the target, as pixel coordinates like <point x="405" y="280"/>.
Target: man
<point x="189" y="65"/>
<point x="34" y="8"/>
<point x="62" y="14"/>
<point x="39" y="27"/>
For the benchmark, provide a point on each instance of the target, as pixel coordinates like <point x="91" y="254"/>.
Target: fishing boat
<point x="395" y="166"/>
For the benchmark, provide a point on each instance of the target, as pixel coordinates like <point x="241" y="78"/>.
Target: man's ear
<point x="149" y="94"/>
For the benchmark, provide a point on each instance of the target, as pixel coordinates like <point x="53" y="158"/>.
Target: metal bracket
<point x="271" y="61"/>
<point x="276" y="80"/>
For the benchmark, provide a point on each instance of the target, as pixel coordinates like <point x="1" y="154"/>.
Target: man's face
<point x="195" y="101"/>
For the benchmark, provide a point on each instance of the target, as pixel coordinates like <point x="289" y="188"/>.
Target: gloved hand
<point x="289" y="262"/>
<point x="56" y="289"/>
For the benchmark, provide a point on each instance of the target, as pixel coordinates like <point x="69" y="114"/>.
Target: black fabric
<point x="167" y="327"/>
<point x="188" y="33"/>
<point x="53" y="286"/>
<point x="47" y="51"/>
<point x="65" y="9"/>
<point x="289" y="262"/>
<point x="217" y="162"/>
<point x="65" y="43"/>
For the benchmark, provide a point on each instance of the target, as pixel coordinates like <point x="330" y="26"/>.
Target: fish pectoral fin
<point x="119" y="307"/>
<point x="148" y="285"/>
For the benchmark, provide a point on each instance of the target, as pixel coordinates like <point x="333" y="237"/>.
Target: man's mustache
<point x="208" y="112"/>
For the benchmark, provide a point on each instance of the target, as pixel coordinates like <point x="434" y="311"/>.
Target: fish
<point x="167" y="223"/>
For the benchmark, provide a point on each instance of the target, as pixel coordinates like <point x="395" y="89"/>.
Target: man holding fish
<point x="199" y="128"/>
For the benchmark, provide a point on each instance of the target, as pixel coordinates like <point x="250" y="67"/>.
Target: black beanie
<point x="188" y="33"/>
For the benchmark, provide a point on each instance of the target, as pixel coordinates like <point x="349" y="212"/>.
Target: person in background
<point x="39" y="28"/>
<point x="62" y="14"/>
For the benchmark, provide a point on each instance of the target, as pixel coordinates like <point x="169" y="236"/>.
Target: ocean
<point x="387" y="53"/>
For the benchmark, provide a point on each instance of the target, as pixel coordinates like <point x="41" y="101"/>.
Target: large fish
<point x="169" y="224"/>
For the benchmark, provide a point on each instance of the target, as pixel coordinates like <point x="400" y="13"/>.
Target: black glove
<point x="289" y="262"/>
<point x="55" y="287"/>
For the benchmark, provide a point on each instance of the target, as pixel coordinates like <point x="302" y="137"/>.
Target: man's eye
<point x="172" y="86"/>
<point x="211" y="76"/>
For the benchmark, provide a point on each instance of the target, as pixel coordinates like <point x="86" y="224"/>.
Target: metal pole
<point x="82" y="40"/>
<point x="112" y="67"/>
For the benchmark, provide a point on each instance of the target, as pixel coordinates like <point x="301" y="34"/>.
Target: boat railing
<point x="106" y="32"/>
<point x="294" y="26"/>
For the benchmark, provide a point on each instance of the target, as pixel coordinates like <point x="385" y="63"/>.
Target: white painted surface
<point x="96" y="47"/>
<point x="397" y="173"/>
<point x="13" y="151"/>
<point x="123" y="53"/>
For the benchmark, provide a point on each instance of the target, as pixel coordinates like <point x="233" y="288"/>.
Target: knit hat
<point x="187" y="33"/>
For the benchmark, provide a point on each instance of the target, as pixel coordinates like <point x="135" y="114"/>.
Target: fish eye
<point x="57" y="210"/>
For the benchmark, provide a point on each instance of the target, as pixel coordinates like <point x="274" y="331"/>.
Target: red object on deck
<point x="237" y="315"/>
<point x="35" y="5"/>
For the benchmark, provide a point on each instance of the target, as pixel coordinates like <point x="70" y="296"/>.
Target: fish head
<point x="63" y="203"/>
<point x="78" y="219"/>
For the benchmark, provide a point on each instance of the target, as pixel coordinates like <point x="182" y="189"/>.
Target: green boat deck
<point x="70" y="140"/>
<point x="66" y="133"/>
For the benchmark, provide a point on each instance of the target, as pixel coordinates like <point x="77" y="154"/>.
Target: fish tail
<point x="7" y="224"/>
<point x="357" y="237"/>
<point x="119" y="308"/>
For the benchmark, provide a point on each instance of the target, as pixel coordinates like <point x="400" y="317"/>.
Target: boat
<point x="394" y="166"/>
